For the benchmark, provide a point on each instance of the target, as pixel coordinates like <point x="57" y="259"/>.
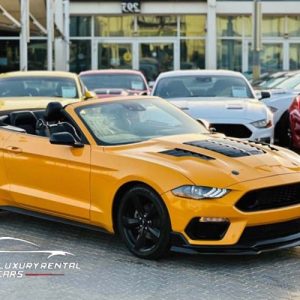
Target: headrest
<point x="53" y="111"/>
<point x="22" y="117"/>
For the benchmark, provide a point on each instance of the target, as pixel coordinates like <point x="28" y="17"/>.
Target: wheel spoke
<point x="130" y="222"/>
<point x="154" y="232"/>
<point x="150" y="212"/>
<point x="140" y="240"/>
<point x="138" y="205"/>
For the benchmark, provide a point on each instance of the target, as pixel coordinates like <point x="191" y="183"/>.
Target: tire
<point x="282" y="131"/>
<point x="143" y="223"/>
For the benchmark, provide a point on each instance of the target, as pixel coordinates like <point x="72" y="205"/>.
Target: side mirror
<point x="65" y="138"/>
<point x="89" y="94"/>
<point x="263" y="94"/>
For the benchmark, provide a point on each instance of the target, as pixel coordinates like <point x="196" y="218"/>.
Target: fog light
<point x="213" y="220"/>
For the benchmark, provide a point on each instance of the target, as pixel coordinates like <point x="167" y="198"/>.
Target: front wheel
<point x="144" y="223"/>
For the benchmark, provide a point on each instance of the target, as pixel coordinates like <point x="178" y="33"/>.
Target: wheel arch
<point x="119" y="194"/>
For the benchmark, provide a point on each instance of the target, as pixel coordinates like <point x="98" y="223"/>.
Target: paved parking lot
<point x="101" y="268"/>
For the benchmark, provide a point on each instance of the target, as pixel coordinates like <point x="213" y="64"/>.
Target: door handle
<point x="14" y="149"/>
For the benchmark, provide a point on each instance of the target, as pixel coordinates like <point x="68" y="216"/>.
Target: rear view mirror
<point x="64" y="138"/>
<point x="263" y="94"/>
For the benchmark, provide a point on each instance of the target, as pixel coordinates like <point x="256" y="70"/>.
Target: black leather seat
<point x="25" y="120"/>
<point x="55" y="116"/>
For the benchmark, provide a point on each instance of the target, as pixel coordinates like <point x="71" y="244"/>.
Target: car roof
<point x="199" y="72"/>
<point x="111" y="71"/>
<point x="38" y="73"/>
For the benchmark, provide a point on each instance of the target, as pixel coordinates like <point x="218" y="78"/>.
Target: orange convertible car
<point x="142" y="168"/>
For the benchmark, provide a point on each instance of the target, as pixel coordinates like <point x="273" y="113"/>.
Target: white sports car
<point x="224" y="98"/>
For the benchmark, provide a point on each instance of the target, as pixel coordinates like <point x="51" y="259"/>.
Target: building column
<point x="62" y="42"/>
<point x="24" y="35"/>
<point x="211" y="36"/>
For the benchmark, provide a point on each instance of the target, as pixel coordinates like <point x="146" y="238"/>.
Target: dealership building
<point x="152" y="36"/>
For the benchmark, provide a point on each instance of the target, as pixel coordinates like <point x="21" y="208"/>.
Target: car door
<point x="46" y="177"/>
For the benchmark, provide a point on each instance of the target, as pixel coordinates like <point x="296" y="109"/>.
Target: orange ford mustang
<point x="142" y="168"/>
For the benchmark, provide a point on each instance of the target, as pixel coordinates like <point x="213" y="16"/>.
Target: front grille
<point x="233" y="130"/>
<point x="270" y="198"/>
<point x="270" y="231"/>
<point x="210" y="231"/>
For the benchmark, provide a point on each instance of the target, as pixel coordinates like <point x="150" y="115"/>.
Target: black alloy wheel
<point x="144" y="223"/>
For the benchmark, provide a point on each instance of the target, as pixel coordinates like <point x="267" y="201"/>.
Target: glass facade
<point x="9" y="55"/>
<point x="37" y="55"/>
<point x="80" y="55"/>
<point x="114" y="26"/>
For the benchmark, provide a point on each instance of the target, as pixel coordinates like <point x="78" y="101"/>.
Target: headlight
<point x="199" y="192"/>
<point x="262" y="123"/>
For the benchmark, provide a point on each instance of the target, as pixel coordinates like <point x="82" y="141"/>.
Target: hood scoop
<point x="186" y="153"/>
<point x="228" y="147"/>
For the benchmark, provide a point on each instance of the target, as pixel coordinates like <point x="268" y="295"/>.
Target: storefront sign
<point x="131" y="6"/>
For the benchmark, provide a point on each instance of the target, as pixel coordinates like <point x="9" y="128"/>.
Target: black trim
<point x="180" y="244"/>
<point x="52" y="218"/>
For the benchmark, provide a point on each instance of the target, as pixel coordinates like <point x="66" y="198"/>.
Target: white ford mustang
<point x="224" y="98"/>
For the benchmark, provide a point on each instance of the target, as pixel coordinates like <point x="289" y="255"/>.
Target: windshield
<point x="95" y="82"/>
<point x="289" y="83"/>
<point x="202" y="86"/>
<point x="132" y="121"/>
<point x="39" y="86"/>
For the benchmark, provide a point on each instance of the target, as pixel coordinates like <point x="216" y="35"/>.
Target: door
<point x="113" y="54"/>
<point x="157" y="56"/>
<point x="51" y="178"/>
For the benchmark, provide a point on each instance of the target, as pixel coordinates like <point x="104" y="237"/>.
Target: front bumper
<point x="244" y="246"/>
<point x="183" y="211"/>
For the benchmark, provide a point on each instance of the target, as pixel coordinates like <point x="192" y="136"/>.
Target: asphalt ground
<point x="98" y="266"/>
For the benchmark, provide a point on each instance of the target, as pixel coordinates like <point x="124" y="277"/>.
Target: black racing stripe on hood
<point x="186" y="153"/>
<point x="228" y="147"/>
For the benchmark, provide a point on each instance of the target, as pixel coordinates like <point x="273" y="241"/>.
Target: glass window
<point x="247" y="21"/>
<point x="230" y="55"/>
<point x="37" y="55"/>
<point x="229" y="26"/>
<point x="41" y="86"/>
<point x="157" y="25"/>
<point x="193" y="25"/>
<point x="9" y="56"/>
<point x="114" y="26"/>
<point x="294" y="56"/>
<point x="130" y="121"/>
<point x="294" y="26"/>
<point x="80" y="55"/>
<point x="80" y="26"/>
<point x="192" y="54"/>
<point x="273" y="26"/>
<point x="271" y="57"/>
<point x="118" y="56"/>
<point x="200" y="87"/>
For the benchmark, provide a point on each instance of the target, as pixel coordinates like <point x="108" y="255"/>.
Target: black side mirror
<point x="263" y="94"/>
<point x="65" y="138"/>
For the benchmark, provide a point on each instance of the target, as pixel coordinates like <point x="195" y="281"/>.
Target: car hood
<point x="214" y="111"/>
<point x="13" y="103"/>
<point x="201" y="164"/>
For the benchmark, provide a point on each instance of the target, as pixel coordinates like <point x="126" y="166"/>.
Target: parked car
<point x="112" y="82"/>
<point x="283" y="90"/>
<point x="224" y="98"/>
<point x="35" y="89"/>
<point x="294" y="123"/>
<point x="140" y="167"/>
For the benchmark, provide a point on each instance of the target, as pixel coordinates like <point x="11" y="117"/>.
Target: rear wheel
<point x="144" y="223"/>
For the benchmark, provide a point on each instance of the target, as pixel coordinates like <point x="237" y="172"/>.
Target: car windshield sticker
<point x="239" y="92"/>
<point x="136" y="85"/>
<point x="68" y="92"/>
